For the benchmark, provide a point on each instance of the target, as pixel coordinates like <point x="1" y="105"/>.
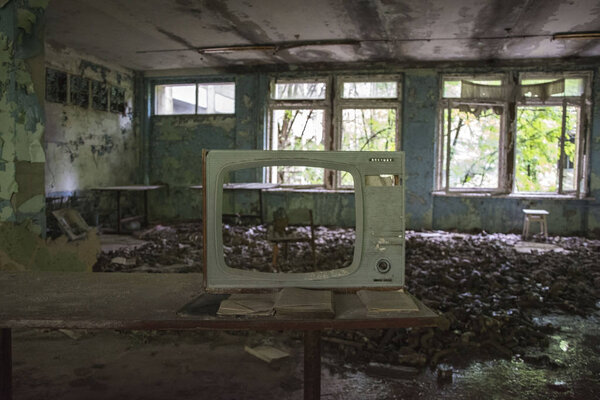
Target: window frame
<point x="333" y="105"/>
<point x="196" y="83"/>
<point x="508" y="132"/>
<point x="300" y="104"/>
<point x="443" y="161"/>
<point x="582" y="141"/>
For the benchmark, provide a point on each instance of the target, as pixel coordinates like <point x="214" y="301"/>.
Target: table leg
<point x="118" y="211"/>
<point x="145" y="208"/>
<point x="312" y="365"/>
<point x="5" y="364"/>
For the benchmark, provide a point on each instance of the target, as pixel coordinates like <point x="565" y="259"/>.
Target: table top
<point x="246" y="186"/>
<point x="131" y="188"/>
<point x="64" y="300"/>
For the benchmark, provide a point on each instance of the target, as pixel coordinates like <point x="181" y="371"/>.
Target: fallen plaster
<point x="23" y="250"/>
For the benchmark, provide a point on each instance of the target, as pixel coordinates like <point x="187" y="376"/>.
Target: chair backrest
<point x="283" y="218"/>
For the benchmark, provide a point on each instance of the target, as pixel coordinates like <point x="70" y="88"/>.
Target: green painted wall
<point x="175" y="145"/>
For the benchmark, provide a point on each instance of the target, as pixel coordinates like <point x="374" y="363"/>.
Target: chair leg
<point x="545" y="227"/>
<point x="275" y="254"/>
<point x="525" y="228"/>
<point x="314" y="253"/>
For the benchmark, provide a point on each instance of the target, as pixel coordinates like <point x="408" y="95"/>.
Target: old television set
<point x="377" y="259"/>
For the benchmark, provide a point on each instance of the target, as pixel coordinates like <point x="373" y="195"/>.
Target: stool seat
<point x="539" y="216"/>
<point x="535" y="212"/>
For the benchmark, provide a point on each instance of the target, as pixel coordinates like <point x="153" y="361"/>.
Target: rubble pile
<point x="249" y="248"/>
<point x="488" y="293"/>
<point x="175" y="249"/>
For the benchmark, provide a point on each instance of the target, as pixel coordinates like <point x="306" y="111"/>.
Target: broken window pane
<point x="299" y="91"/>
<point x="474" y="145"/>
<point x="80" y="91"/>
<point x="298" y="130"/>
<point x="216" y="98"/>
<point x="300" y="232"/>
<point x="370" y="90"/>
<point x="175" y="99"/>
<point x="117" y="100"/>
<point x="56" y="86"/>
<point x="99" y="96"/>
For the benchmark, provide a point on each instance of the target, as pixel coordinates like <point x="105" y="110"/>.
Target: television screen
<point x="292" y="224"/>
<point x="276" y="219"/>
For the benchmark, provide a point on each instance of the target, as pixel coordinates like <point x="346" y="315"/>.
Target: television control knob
<point x="383" y="266"/>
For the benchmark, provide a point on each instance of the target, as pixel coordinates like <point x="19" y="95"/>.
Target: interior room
<point x="488" y="111"/>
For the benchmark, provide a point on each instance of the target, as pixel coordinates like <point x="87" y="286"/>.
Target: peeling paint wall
<point x="21" y="116"/>
<point x="87" y="147"/>
<point x="418" y="127"/>
<point x="593" y="208"/>
<point x="176" y="143"/>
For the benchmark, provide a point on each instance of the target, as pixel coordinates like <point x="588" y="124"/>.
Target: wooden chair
<point x="279" y="232"/>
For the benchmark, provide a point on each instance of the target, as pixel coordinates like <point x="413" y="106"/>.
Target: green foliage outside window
<point x="474" y="144"/>
<point x="538" y="148"/>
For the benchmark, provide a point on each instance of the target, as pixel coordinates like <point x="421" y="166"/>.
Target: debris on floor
<point x="489" y="293"/>
<point x="529" y="247"/>
<point x="267" y="353"/>
<point x="22" y="249"/>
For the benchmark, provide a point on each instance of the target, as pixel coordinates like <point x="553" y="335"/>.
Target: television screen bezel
<point x="243" y="280"/>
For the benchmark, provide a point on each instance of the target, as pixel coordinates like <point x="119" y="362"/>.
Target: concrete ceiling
<point x="157" y="34"/>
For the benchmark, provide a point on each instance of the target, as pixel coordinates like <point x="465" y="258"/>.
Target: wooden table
<point x="62" y="300"/>
<point x="260" y="186"/>
<point x="129" y="188"/>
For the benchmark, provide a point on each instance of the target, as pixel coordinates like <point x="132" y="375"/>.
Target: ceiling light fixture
<point x="277" y="46"/>
<point x="230" y="49"/>
<point x="577" y="35"/>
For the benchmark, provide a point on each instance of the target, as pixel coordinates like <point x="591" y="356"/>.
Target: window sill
<point x="528" y="196"/>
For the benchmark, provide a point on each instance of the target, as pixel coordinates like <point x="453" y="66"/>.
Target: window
<point x="549" y="144"/>
<point x="194" y="98"/>
<point x="479" y="144"/>
<point x="308" y="115"/>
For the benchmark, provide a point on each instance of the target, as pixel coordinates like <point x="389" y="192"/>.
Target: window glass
<point x="367" y="130"/>
<point x="538" y="147"/>
<point x="216" y="98"/>
<point x="453" y="87"/>
<point x="298" y="130"/>
<point x="175" y="99"/>
<point x="370" y="90"/>
<point x="56" y="86"/>
<point x="80" y="91"/>
<point x="474" y="145"/>
<point x="299" y="91"/>
<point x="572" y="87"/>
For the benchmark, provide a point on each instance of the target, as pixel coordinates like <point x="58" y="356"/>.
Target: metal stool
<point x="535" y="216"/>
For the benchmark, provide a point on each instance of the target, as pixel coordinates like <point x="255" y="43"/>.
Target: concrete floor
<point x="197" y="365"/>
